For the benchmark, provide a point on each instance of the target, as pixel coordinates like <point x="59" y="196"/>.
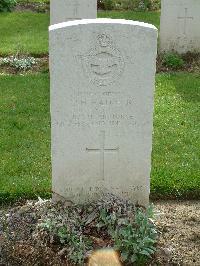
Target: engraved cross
<point x="76" y="6"/>
<point x="102" y="151"/>
<point x="185" y="20"/>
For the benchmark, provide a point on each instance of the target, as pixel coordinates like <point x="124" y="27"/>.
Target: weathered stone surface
<point x="65" y="10"/>
<point x="180" y="26"/>
<point x="102" y="86"/>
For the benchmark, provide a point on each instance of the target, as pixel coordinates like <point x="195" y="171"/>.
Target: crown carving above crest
<point x="104" y="40"/>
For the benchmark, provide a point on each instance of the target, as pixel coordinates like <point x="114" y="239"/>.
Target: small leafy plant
<point x="78" y="243"/>
<point x="136" y="242"/>
<point x="134" y="236"/>
<point x="173" y="60"/>
<point x="70" y="235"/>
<point x="7" y="5"/>
<point x="23" y="63"/>
<point x="128" y="229"/>
<point x="108" y="4"/>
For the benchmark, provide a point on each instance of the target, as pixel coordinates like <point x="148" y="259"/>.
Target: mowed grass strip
<point x="24" y="32"/>
<point x="27" y="32"/>
<point x="176" y="145"/>
<point x="25" y="168"/>
<point x="151" y="17"/>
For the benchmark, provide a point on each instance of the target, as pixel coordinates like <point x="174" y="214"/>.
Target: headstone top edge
<point x="102" y="21"/>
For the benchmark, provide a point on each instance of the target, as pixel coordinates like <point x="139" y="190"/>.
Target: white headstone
<point x="180" y="26"/>
<point x="102" y="86"/>
<point x="66" y="10"/>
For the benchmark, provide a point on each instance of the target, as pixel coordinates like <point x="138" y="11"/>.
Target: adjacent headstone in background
<point x="102" y="87"/>
<point x="180" y="26"/>
<point x="65" y="10"/>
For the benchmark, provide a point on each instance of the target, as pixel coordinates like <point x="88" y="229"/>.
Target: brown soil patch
<point x="178" y="224"/>
<point x="191" y="65"/>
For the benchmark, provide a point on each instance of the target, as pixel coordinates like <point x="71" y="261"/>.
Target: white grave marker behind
<point x="65" y="10"/>
<point x="102" y="86"/>
<point x="180" y="26"/>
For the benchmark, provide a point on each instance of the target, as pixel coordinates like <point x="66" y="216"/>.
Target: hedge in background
<point x="7" y="5"/>
<point x="139" y="5"/>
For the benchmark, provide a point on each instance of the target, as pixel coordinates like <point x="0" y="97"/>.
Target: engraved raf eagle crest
<point x="104" y="63"/>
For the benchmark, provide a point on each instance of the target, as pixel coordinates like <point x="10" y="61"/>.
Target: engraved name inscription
<point x="89" y="119"/>
<point x="99" y="109"/>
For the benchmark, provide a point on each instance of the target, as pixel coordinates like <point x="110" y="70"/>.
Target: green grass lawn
<point x="176" y="146"/>
<point x="25" y="169"/>
<point x="25" y="136"/>
<point x="24" y="33"/>
<point x="33" y="1"/>
<point x="148" y="17"/>
<point x="27" y="32"/>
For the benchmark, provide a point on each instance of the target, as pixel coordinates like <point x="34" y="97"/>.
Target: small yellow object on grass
<point x="104" y="257"/>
